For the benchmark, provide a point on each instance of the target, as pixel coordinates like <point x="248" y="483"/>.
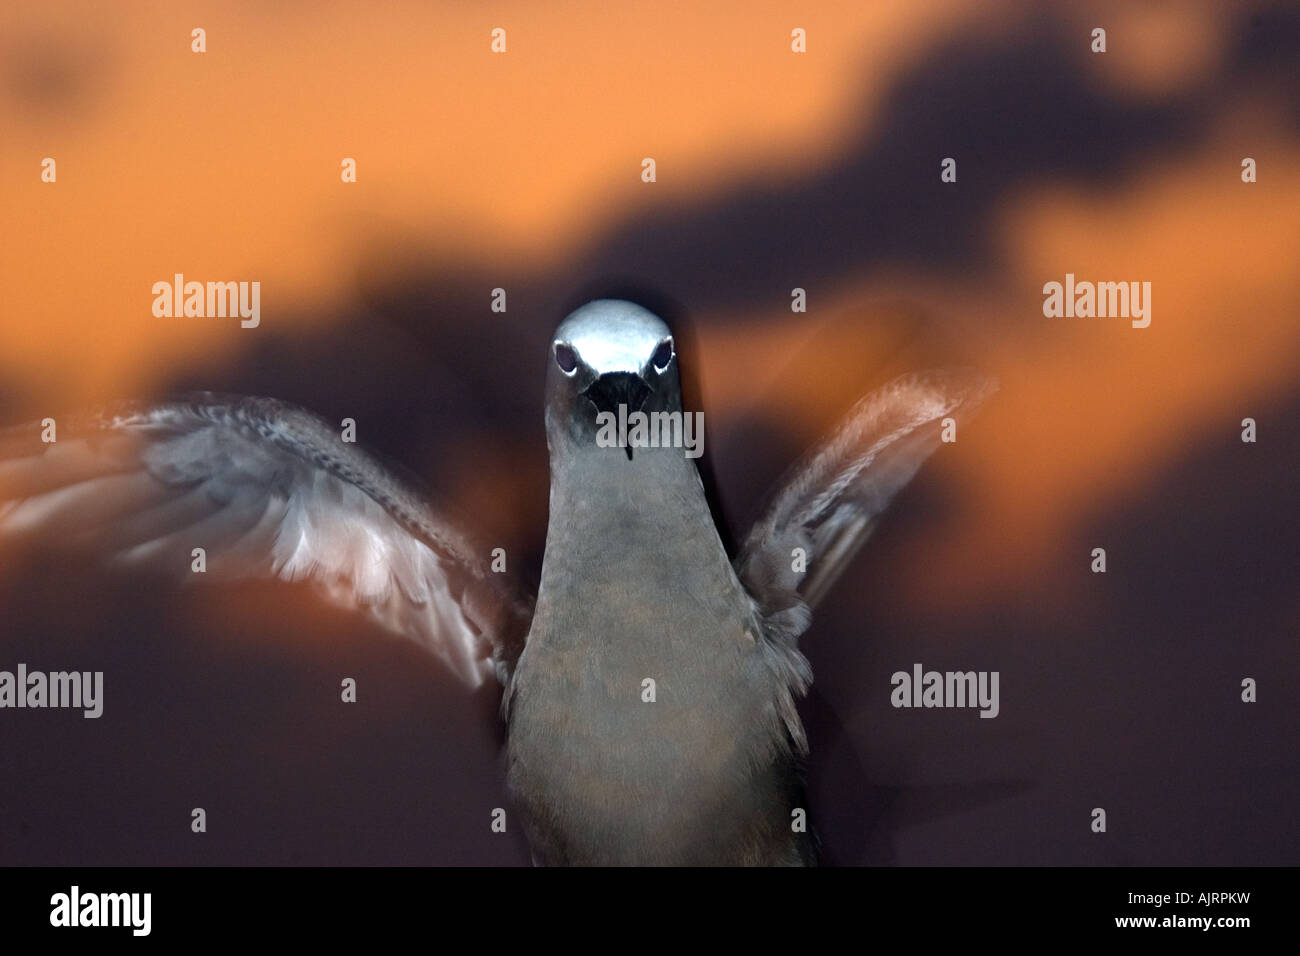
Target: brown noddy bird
<point x="649" y="686"/>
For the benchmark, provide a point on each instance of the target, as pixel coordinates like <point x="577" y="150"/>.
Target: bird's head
<point x="607" y="354"/>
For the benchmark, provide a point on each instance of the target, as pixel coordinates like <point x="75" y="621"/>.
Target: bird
<point x="648" y="686"/>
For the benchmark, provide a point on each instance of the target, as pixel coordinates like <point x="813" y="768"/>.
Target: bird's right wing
<point x="828" y="505"/>
<point x="266" y="489"/>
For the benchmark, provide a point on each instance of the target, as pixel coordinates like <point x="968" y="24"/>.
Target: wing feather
<point x="266" y="489"/>
<point x="829" y="504"/>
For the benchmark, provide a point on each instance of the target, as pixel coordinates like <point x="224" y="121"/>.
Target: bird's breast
<point x="644" y="721"/>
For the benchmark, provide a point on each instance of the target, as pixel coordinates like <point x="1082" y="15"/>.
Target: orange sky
<point x="226" y="165"/>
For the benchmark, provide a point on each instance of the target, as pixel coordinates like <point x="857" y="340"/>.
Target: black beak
<point x="613" y="389"/>
<point x="618" y="388"/>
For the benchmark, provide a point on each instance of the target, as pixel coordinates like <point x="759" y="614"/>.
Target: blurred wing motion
<point x="829" y="503"/>
<point x="266" y="489"/>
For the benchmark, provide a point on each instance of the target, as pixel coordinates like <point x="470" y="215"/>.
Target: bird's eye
<point x="663" y="354"/>
<point x="565" y="358"/>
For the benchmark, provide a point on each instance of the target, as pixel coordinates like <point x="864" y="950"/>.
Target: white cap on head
<point x="611" y="335"/>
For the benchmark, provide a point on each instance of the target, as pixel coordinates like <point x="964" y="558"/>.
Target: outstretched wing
<point x="829" y="503"/>
<point x="266" y="489"/>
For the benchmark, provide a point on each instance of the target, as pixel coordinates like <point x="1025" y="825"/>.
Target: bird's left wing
<point x="828" y="505"/>
<point x="266" y="489"/>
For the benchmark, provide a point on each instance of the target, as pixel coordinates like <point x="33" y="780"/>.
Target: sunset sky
<point x="775" y="170"/>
